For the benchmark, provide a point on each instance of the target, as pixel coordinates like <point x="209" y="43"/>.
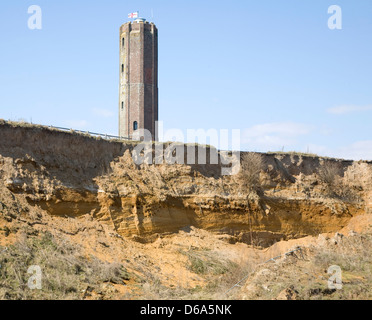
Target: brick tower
<point x="138" y="87"/>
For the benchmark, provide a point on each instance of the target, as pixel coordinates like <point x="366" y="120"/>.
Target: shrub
<point x="66" y="273"/>
<point x="329" y="173"/>
<point x="249" y="175"/>
<point x="207" y="262"/>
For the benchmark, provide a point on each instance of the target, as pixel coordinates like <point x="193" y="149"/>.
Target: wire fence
<point x="95" y="134"/>
<point x="271" y="259"/>
<point x="104" y="136"/>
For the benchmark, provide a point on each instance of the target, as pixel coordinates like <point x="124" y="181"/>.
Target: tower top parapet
<point x="134" y="25"/>
<point x="138" y="20"/>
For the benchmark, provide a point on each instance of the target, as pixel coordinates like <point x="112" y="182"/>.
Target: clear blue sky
<point x="272" y="69"/>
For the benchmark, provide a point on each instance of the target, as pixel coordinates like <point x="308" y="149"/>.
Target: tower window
<point x="135" y="125"/>
<point x="123" y="42"/>
<point x="122" y="68"/>
<point x="122" y="105"/>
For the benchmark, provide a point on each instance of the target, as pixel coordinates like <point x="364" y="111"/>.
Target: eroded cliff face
<point x="68" y="174"/>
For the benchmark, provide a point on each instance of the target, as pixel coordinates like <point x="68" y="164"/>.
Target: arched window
<point x="122" y="42"/>
<point x="122" y="68"/>
<point x="135" y="125"/>
<point x="122" y="105"/>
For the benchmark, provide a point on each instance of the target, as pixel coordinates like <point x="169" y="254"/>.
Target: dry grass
<point x="66" y="274"/>
<point x="295" y="153"/>
<point x="206" y="262"/>
<point x="353" y="256"/>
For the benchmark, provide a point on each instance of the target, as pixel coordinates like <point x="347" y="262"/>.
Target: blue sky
<point x="272" y="69"/>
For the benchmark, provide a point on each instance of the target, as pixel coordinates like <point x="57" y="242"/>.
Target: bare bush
<point x="207" y="262"/>
<point x="249" y="175"/>
<point x="330" y="173"/>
